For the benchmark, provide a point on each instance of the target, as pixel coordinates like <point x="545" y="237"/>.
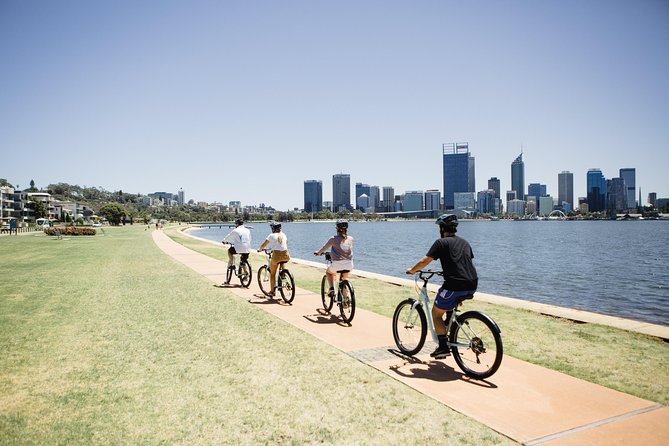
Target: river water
<point x="618" y="268"/>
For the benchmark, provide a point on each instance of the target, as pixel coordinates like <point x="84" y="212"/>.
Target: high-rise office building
<point x="432" y="200"/>
<point x="536" y="190"/>
<point x="458" y="168"/>
<point x="629" y="176"/>
<point x="494" y="185"/>
<point x="413" y="201"/>
<point x="616" y="196"/>
<point x="566" y="189"/>
<point x="388" y="198"/>
<point x="652" y="199"/>
<point x="485" y="201"/>
<point x="313" y="196"/>
<point x="596" y="184"/>
<point x="374" y="198"/>
<point x="341" y="192"/>
<point x="360" y="190"/>
<point x="518" y="177"/>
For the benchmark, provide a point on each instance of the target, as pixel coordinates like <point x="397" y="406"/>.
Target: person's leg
<point x="331" y="280"/>
<point x="272" y="277"/>
<point x="441" y="300"/>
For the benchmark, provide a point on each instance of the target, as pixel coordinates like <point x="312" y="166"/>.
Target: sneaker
<point x="331" y="293"/>
<point x="441" y="352"/>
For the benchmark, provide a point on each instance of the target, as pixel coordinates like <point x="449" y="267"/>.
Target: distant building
<point x="360" y="190"/>
<point x="596" y="190"/>
<point x="566" y="189"/>
<point x="545" y="205"/>
<point x="536" y="190"/>
<point x="518" y="177"/>
<point x="465" y="201"/>
<point x="511" y="195"/>
<point x="388" y="199"/>
<point x="616" y="196"/>
<point x="629" y="176"/>
<point x="413" y="201"/>
<point x="516" y="207"/>
<point x="459" y="171"/>
<point x="485" y="201"/>
<point x="313" y="195"/>
<point x="341" y="192"/>
<point x="181" y="197"/>
<point x="432" y="200"/>
<point x="494" y="185"/>
<point x="652" y="199"/>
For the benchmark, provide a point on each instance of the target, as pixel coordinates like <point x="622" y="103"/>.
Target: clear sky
<point x="244" y="100"/>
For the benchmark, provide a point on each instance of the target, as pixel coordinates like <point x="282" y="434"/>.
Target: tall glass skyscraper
<point x="566" y="188"/>
<point x="629" y="175"/>
<point x="341" y="192"/>
<point x="494" y="184"/>
<point x="596" y="190"/>
<point x="518" y="177"/>
<point x="459" y="168"/>
<point x="313" y="196"/>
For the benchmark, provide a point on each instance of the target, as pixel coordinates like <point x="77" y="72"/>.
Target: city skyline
<point x="113" y="96"/>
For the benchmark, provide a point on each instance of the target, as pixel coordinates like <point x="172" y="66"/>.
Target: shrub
<point x="69" y="230"/>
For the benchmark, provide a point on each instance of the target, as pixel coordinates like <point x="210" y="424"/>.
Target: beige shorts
<point x="339" y="265"/>
<point x="280" y="257"/>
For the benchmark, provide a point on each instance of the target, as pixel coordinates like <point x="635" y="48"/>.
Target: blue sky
<point x="246" y="100"/>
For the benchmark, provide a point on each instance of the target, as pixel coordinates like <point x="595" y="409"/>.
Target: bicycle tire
<point x="286" y="285"/>
<point x="263" y="280"/>
<point x="483" y="354"/>
<point x="409" y="327"/>
<point x="328" y="301"/>
<point x="347" y="302"/>
<point x="246" y="273"/>
<point x="228" y="273"/>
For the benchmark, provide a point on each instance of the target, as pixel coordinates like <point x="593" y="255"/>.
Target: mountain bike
<point x="345" y="295"/>
<point x="285" y="282"/>
<point x="474" y="338"/>
<point x="240" y="268"/>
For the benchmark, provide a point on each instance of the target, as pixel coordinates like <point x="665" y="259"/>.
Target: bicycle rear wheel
<point x="286" y="286"/>
<point x="327" y="300"/>
<point x="347" y="301"/>
<point x="263" y="280"/>
<point x="479" y="347"/>
<point x="409" y="327"/>
<point x="246" y="274"/>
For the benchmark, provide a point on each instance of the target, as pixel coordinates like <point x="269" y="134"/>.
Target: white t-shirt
<point x="240" y="239"/>
<point x="277" y="241"/>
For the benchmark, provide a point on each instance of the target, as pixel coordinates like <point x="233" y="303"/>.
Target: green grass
<point x="629" y="362"/>
<point x="106" y="340"/>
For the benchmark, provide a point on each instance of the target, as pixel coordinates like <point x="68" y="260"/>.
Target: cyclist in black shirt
<point x="460" y="277"/>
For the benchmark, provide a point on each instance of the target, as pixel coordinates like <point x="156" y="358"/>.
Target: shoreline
<point x="647" y="328"/>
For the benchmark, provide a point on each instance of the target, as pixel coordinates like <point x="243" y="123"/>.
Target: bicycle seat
<point x="463" y="298"/>
<point x="344" y="271"/>
<point x="283" y="263"/>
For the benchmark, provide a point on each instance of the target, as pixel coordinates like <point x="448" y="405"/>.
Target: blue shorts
<point x="447" y="300"/>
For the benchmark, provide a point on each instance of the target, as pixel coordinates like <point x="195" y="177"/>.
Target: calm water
<point x="619" y="268"/>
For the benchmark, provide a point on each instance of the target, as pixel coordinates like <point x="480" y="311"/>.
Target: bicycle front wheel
<point x="228" y="273"/>
<point x="409" y="327"/>
<point x="346" y="302"/>
<point x="286" y="286"/>
<point x="325" y="298"/>
<point x="478" y="345"/>
<point x="263" y="280"/>
<point x="246" y="274"/>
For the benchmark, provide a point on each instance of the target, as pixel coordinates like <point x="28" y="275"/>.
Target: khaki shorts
<point x="280" y="257"/>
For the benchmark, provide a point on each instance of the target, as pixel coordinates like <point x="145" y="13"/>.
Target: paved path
<point x="525" y="402"/>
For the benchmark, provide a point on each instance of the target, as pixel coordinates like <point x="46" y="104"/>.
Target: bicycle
<point x="345" y="294"/>
<point x="285" y="282"/>
<point x="474" y="338"/>
<point x="241" y="270"/>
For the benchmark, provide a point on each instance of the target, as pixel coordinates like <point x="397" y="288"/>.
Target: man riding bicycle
<point x="240" y="241"/>
<point x="460" y="277"/>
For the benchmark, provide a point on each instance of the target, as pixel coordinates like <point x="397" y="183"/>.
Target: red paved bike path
<point x="525" y="402"/>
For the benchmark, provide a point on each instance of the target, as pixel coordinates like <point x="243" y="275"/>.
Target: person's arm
<point x="422" y="263"/>
<point x="265" y="243"/>
<point x="325" y="246"/>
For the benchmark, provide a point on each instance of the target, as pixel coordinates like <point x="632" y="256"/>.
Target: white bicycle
<point x="473" y="337"/>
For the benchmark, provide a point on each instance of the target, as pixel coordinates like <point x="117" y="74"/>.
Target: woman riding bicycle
<point x="460" y="277"/>
<point x="277" y="242"/>
<point x="341" y="248"/>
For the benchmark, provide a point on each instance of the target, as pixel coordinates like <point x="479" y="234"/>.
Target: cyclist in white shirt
<point x="240" y="241"/>
<point x="277" y="242"/>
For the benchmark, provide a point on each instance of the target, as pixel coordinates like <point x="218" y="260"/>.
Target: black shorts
<point x="233" y="251"/>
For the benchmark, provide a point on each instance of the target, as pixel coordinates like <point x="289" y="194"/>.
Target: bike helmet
<point x="239" y="222"/>
<point x="342" y="224"/>
<point x="275" y="225"/>
<point x="447" y="220"/>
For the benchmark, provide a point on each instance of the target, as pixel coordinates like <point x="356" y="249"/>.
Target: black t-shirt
<point x="455" y="256"/>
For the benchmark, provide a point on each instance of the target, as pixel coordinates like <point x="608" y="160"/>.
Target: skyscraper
<point x="629" y="176"/>
<point x="313" y="195"/>
<point x="518" y="177"/>
<point x="566" y="188"/>
<point x="536" y="190"/>
<point x="494" y="184"/>
<point x="459" y="168"/>
<point x="360" y="190"/>
<point x="341" y="192"/>
<point x="596" y="190"/>
<point x="432" y="200"/>
<point x="388" y="198"/>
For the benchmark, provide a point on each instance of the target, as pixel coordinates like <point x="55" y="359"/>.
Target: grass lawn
<point x="106" y="340"/>
<point x="630" y="362"/>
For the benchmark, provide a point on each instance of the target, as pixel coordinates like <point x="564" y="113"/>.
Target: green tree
<point x="113" y="212"/>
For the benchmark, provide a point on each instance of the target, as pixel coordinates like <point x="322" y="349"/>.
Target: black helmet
<point x="275" y="225"/>
<point x="239" y="221"/>
<point x="342" y="224"/>
<point x="447" y="220"/>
